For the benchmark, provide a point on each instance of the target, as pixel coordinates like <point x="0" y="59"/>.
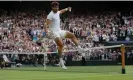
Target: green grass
<point x="73" y="73"/>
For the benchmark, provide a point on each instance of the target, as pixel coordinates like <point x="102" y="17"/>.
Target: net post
<point x="44" y="64"/>
<point x="123" y="58"/>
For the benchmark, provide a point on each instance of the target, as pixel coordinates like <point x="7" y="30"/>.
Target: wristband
<point x="66" y="9"/>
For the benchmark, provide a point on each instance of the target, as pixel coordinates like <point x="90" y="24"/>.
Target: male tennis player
<point x="53" y="30"/>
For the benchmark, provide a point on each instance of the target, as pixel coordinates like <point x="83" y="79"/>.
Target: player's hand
<point x="50" y="35"/>
<point x="47" y="34"/>
<point x="69" y="9"/>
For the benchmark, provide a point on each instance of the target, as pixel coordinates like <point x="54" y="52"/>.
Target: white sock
<point x="61" y="61"/>
<point x="78" y="47"/>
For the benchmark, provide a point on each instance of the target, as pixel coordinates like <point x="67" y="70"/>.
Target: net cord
<point x="93" y="48"/>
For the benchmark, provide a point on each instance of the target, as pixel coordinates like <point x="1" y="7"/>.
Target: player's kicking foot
<point x="64" y="67"/>
<point x="80" y="50"/>
<point x="61" y="64"/>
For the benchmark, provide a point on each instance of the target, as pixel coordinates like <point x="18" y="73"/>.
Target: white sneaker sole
<point x="64" y="68"/>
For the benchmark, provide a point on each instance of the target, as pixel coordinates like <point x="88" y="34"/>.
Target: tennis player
<point x="53" y="30"/>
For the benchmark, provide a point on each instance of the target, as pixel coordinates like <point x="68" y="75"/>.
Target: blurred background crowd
<point x="20" y="31"/>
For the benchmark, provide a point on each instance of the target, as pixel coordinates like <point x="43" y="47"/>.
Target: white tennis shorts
<point x="55" y="34"/>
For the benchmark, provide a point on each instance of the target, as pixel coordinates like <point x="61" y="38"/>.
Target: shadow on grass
<point x="57" y="69"/>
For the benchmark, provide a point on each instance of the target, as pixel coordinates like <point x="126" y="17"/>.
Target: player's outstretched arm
<point x="46" y="25"/>
<point x="64" y="10"/>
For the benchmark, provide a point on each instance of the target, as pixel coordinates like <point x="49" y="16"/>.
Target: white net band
<point x="103" y="47"/>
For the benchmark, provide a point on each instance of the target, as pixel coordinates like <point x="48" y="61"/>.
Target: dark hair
<point x="54" y="4"/>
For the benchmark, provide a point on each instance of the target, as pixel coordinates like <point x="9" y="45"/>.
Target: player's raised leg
<point x="74" y="39"/>
<point x="60" y="50"/>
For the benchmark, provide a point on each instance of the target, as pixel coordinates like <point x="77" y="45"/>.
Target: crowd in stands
<point x="23" y="32"/>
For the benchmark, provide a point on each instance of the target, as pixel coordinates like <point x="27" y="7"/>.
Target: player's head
<point x="55" y="6"/>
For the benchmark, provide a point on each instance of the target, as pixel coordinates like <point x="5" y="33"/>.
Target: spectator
<point x="19" y="32"/>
